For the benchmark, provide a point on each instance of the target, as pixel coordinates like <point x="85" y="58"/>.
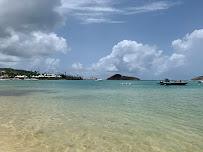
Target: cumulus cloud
<point x="31" y="44"/>
<point x="187" y="55"/>
<point x="167" y="63"/>
<point x="137" y="58"/>
<point x="26" y="30"/>
<point x="129" y="56"/>
<point x="189" y="42"/>
<point x="191" y="47"/>
<point x="77" y="66"/>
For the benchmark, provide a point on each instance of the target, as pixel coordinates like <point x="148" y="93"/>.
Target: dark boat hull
<point x="173" y="83"/>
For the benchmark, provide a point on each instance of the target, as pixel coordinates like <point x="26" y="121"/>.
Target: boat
<point x="32" y="79"/>
<point x="168" y="82"/>
<point x="4" y="79"/>
<point x="99" y="80"/>
<point x="200" y="81"/>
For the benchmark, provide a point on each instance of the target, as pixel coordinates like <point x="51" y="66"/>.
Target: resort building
<point x="5" y="76"/>
<point x="47" y="76"/>
<point x="21" y="77"/>
<point x="2" y="72"/>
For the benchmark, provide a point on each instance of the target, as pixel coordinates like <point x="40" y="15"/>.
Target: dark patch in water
<point x="25" y="92"/>
<point x="74" y="97"/>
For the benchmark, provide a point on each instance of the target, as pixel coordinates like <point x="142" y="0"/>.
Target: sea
<point x="100" y="116"/>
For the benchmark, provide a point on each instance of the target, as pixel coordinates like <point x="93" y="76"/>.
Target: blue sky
<point x="149" y="39"/>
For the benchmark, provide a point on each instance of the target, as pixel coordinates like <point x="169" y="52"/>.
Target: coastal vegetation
<point x="70" y="77"/>
<point x="16" y="73"/>
<point x="11" y="73"/>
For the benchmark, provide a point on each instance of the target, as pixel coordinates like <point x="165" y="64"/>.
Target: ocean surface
<point x="103" y="116"/>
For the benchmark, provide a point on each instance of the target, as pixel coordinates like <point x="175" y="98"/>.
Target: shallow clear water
<point x="99" y="116"/>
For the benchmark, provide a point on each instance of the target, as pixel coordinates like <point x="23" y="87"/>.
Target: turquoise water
<point x="139" y="116"/>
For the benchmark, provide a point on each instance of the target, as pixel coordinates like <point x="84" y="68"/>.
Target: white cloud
<point x="190" y="41"/>
<point x="166" y="64"/>
<point x="154" y="6"/>
<point x="8" y="60"/>
<point x="25" y="30"/>
<point x="101" y="20"/>
<point x="130" y="57"/>
<point x="77" y="66"/>
<point x="98" y="11"/>
<point x="27" y="45"/>
<point x="90" y="11"/>
<point x="36" y="64"/>
<point x="187" y="55"/>
<point x="52" y="64"/>
<point x="44" y="64"/>
<point x="191" y="47"/>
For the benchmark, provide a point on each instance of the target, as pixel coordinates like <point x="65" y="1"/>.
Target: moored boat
<point x="4" y="79"/>
<point x="168" y="82"/>
<point x="99" y="80"/>
<point x="200" y="81"/>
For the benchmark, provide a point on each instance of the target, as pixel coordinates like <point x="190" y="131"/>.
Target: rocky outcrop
<point x="120" y="77"/>
<point x="198" y="78"/>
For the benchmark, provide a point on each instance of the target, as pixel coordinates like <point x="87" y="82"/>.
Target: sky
<point x="148" y="39"/>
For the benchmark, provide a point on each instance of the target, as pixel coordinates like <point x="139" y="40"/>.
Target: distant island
<point x="198" y="78"/>
<point x="120" y="77"/>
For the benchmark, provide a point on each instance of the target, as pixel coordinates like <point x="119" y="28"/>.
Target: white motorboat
<point x="200" y="81"/>
<point x="4" y="79"/>
<point x="99" y="80"/>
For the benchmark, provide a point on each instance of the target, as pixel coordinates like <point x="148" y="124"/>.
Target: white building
<point x="21" y="76"/>
<point x="47" y="76"/>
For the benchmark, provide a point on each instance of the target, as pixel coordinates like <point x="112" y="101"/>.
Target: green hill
<point x="13" y="72"/>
